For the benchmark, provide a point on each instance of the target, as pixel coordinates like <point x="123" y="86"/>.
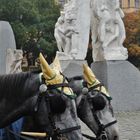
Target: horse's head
<point x="24" y="94"/>
<point x="99" y="115"/>
<point x="57" y="99"/>
<point x="94" y="107"/>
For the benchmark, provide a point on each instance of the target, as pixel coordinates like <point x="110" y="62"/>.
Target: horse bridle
<point x="44" y="93"/>
<point x="101" y="133"/>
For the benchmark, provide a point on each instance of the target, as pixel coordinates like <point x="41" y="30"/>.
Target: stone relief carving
<point x="13" y="61"/>
<point x="65" y="30"/>
<point x="59" y="33"/>
<point x="104" y="18"/>
<point x="110" y="32"/>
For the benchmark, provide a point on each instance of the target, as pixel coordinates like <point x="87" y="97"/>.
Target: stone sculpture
<point x="108" y="31"/>
<point x="13" y="61"/>
<point x="64" y="30"/>
<point x="103" y="18"/>
<point x="74" y="29"/>
<point x="59" y="33"/>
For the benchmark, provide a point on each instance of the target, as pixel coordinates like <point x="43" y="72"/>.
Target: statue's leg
<point x="68" y="45"/>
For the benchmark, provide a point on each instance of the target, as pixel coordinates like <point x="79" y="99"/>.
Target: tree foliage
<point x="33" y="23"/>
<point x="132" y="42"/>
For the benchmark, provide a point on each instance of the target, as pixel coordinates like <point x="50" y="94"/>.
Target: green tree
<point x="33" y="23"/>
<point x="132" y="42"/>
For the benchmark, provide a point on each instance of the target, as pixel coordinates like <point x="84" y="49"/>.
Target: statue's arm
<point x="113" y="37"/>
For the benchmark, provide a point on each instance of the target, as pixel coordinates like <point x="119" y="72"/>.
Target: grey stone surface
<point x="72" y="68"/>
<point x="122" y="80"/>
<point x="129" y="125"/>
<point x="7" y="40"/>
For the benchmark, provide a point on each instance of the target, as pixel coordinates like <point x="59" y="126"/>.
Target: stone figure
<point x="65" y="29"/>
<point x="73" y="33"/>
<point x="16" y="66"/>
<point x="100" y="26"/>
<point x="110" y="32"/>
<point x="13" y="61"/>
<point x="70" y="10"/>
<point x="119" y="15"/>
<point x="70" y="30"/>
<point x="105" y="27"/>
<point x="114" y="47"/>
<point x="59" y="33"/>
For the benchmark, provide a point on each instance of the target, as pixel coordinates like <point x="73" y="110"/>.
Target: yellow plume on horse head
<point x="53" y="76"/>
<point x="91" y="79"/>
<point x="89" y="76"/>
<point x="48" y="73"/>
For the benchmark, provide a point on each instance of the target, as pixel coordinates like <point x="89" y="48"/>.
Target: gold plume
<point x="56" y="64"/>
<point x="48" y="73"/>
<point x="89" y="76"/>
<point x="91" y="79"/>
<point x="52" y="76"/>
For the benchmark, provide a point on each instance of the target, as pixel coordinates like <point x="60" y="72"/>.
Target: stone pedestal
<point x="72" y="68"/>
<point x="122" y="79"/>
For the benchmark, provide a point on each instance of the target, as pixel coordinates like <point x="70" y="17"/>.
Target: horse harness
<point x="57" y="133"/>
<point x="101" y="134"/>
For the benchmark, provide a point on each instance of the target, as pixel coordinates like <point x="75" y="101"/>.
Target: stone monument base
<point x="72" y="68"/>
<point x="69" y="66"/>
<point x="122" y="79"/>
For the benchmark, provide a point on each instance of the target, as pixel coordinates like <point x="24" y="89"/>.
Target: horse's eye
<point x="98" y="102"/>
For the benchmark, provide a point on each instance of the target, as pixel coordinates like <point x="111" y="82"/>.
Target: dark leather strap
<point x="67" y="130"/>
<point x="89" y="137"/>
<point x="109" y="124"/>
<point x="50" y="87"/>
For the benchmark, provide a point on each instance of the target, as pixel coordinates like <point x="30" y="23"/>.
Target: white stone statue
<point x="70" y="30"/>
<point x="108" y="31"/>
<point x="119" y="15"/>
<point x="59" y="33"/>
<point x="76" y="29"/>
<point x="65" y="29"/>
<point x="100" y="25"/>
<point x="13" y="61"/>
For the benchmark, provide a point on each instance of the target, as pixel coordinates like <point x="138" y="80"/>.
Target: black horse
<point x="50" y="110"/>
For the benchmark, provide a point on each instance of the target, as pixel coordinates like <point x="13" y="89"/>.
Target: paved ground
<point x="129" y="125"/>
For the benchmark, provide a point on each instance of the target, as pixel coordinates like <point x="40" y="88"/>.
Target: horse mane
<point x="13" y="84"/>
